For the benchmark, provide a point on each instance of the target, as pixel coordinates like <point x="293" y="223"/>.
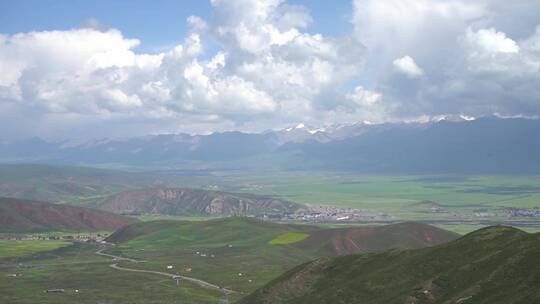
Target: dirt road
<point x="170" y="275"/>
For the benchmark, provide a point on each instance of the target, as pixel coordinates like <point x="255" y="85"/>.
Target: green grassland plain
<point x="230" y="252"/>
<point x="14" y="248"/>
<point x="247" y="264"/>
<point x="460" y="198"/>
<point x="88" y="278"/>
<point x="466" y="202"/>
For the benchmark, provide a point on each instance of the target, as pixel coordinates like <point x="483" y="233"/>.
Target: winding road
<point x="170" y="275"/>
<point x="100" y="252"/>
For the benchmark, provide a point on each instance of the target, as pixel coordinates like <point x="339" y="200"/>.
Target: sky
<point x="94" y="69"/>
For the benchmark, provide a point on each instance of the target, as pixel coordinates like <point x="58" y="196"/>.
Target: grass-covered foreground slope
<point x="492" y="265"/>
<point x="18" y="215"/>
<point x="244" y="253"/>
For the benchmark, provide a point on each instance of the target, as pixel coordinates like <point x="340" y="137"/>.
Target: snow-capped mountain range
<point x="436" y="145"/>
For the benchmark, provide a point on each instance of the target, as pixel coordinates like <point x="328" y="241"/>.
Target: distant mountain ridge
<point x="484" y="146"/>
<point x="190" y="201"/>
<point x="444" y="145"/>
<point x="18" y="215"/>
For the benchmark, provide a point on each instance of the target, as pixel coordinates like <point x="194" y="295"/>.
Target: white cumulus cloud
<point x="407" y="66"/>
<point x="269" y="70"/>
<point x="491" y="41"/>
<point x="268" y="73"/>
<point x="477" y="57"/>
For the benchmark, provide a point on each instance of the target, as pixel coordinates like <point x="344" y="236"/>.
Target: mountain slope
<point x="314" y="240"/>
<point x="244" y="254"/>
<point x="49" y="183"/>
<point x="491" y="265"/>
<point x="188" y="201"/>
<point x="211" y="233"/>
<point x="350" y="240"/>
<point x="24" y="216"/>
<point x="487" y="145"/>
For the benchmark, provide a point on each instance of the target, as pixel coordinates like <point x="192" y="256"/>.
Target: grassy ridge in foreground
<point x="492" y="265"/>
<point x="219" y="250"/>
<point x="203" y="247"/>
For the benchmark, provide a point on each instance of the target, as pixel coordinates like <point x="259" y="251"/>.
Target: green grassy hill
<point x="492" y="265"/>
<point x="245" y="253"/>
<point x="244" y="231"/>
<point x="212" y="233"/>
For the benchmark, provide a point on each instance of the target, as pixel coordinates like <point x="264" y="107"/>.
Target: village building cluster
<point x="329" y="214"/>
<point x="90" y="238"/>
<point x="517" y="212"/>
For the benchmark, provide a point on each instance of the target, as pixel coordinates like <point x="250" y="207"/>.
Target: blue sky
<point x="159" y="24"/>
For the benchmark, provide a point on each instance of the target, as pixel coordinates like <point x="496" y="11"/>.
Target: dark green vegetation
<point x="18" y="216"/>
<point x="492" y="265"/>
<point x="193" y="202"/>
<point x="238" y="253"/>
<point x="232" y="252"/>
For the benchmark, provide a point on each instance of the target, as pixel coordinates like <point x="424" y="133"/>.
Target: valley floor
<point x="86" y="277"/>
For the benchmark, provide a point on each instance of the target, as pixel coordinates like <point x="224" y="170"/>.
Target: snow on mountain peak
<point x="317" y="130"/>
<point x="298" y="126"/>
<point x="467" y="118"/>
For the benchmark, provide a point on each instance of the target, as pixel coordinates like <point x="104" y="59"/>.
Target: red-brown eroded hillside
<point x="351" y="240"/>
<point x="18" y="215"/>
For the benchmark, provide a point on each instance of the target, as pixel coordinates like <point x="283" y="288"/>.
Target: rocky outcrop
<point x="188" y="201"/>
